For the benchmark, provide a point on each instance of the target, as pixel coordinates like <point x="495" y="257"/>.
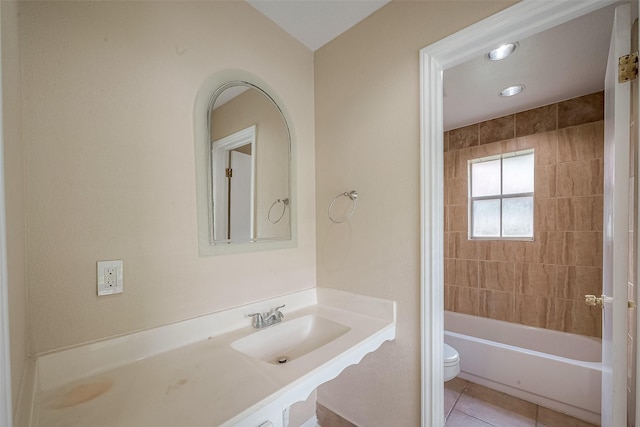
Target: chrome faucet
<point x="267" y="319"/>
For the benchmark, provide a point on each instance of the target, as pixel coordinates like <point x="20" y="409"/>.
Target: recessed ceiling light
<point x="511" y="90"/>
<point x="501" y="52"/>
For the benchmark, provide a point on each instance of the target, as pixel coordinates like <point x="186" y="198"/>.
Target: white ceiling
<point x="558" y="64"/>
<point x="316" y="22"/>
<point x="561" y="63"/>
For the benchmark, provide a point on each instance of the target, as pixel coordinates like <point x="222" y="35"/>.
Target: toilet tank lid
<point x="449" y="355"/>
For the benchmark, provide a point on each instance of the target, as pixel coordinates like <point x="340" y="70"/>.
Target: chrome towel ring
<point x="353" y="195"/>
<point x="285" y="203"/>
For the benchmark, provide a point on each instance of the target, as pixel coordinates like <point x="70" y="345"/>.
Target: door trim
<point x="218" y="220"/>
<point x="615" y="236"/>
<point x="6" y="406"/>
<point x="515" y="23"/>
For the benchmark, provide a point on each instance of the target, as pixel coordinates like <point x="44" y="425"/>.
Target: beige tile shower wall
<point x="542" y="282"/>
<point x="109" y="90"/>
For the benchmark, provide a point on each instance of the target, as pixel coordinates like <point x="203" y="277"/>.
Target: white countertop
<point x="208" y="383"/>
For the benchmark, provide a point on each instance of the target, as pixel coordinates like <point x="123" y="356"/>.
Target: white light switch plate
<point x="110" y="277"/>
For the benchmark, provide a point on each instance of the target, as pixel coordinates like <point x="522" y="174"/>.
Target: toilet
<point x="451" y="362"/>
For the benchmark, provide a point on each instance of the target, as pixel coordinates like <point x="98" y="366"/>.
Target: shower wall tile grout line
<point x="546" y="278"/>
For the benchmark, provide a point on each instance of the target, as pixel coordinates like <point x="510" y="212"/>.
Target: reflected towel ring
<point x="353" y="195"/>
<point x="285" y="203"/>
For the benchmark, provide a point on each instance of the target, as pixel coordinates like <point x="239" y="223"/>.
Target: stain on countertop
<point x="80" y="394"/>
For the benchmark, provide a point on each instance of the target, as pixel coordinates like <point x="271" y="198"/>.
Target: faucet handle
<point x="279" y="313"/>
<point x="258" y="321"/>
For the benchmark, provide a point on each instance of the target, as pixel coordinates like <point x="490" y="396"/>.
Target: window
<point x="501" y="196"/>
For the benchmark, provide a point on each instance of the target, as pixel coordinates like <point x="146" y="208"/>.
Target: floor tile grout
<point x="456" y="402"/>
<point x="465" y="389"/>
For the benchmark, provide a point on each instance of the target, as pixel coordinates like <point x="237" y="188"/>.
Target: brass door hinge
<point x="228" y="173"/>
<point x="593" y="300"/>
<point x="628" y="67"/>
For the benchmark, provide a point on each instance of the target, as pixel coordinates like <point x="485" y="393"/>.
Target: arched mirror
<point x="249" y="165"/>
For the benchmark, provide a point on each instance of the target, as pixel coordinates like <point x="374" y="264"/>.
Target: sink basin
<point x="290" y="339"/>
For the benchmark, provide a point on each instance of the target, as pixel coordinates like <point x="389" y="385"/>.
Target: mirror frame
<point x="207" y="94"/>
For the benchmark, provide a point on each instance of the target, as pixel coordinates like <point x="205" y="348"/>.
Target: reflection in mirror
<point x="250" y="166"/>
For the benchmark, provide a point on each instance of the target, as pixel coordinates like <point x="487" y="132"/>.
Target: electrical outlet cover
<point x="110" y="277"/>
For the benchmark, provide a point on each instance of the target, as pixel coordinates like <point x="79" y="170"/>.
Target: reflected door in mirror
<point x="240" y="196"/>
<point x="242" y="115"/>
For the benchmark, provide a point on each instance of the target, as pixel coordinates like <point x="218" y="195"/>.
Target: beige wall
<point x="368" y="139"/>
<point x="14" y="193"/>
<point x="109" y="91"/>
<point x="538" y="283"/>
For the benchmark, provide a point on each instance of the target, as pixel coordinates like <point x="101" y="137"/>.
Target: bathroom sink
<point x="290" y="339"/>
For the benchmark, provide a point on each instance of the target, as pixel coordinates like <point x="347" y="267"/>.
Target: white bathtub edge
<point x="508" y="357"/>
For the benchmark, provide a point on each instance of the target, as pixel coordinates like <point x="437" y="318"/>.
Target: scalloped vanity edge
<point x="301" y="389"/>
<point x="50" y="370"/>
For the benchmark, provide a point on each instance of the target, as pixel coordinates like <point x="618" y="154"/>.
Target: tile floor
<point x="471" y="405"/>
<point x="328" y="418"/>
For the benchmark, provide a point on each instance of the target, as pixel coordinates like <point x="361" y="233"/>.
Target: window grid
<point x="499" y="197"/>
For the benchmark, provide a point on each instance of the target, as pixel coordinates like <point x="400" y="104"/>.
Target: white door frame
<point x="515" y="23"/>
<point x="6" y="407"/>
<point x="615" y="253"/>
<point x="219" y="161"/>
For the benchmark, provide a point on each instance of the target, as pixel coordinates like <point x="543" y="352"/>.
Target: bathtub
<point x="557" y="370"/>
